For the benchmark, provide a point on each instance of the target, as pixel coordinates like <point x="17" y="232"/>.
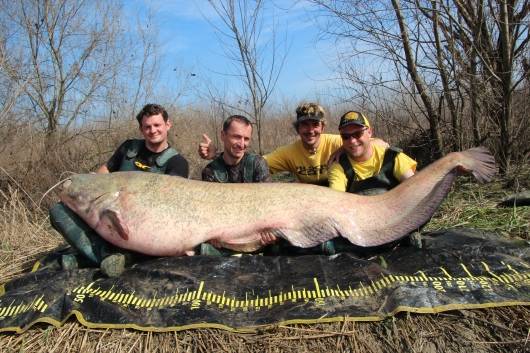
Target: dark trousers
<point x="79" y="234"/>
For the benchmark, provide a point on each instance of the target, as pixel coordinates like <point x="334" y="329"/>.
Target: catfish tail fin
<point x="479" y="162"/>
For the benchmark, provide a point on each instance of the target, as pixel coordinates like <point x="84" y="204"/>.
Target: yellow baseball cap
<point x="353" y="117"/>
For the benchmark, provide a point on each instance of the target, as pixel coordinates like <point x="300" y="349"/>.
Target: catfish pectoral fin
<point x="116" y="222"/>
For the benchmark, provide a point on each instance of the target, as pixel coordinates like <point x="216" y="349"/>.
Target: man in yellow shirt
<point x="367" y="168"/>
<point x="364" y="167"/>
<point x="307" y="158"/>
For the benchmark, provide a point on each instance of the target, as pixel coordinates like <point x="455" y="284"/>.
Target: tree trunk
<point x="432" y="115"/>
<point x="455" y="119"/>
<point x="505" y="73"/>
<point x="475" y="105"/>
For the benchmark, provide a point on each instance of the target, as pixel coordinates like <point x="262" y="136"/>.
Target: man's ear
<point x="369" y="132"/>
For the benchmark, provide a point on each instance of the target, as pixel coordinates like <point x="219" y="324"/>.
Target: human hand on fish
<point x="267" y="238"/>
<point x="166" y="215"/>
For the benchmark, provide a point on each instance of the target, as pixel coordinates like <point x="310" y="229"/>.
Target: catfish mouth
<point x="74" y="200"/>
<point x="66" y="194"/>
<point x="80" y="200"/>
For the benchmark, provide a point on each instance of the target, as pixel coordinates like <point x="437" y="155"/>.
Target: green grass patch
<point x="475" y="206"/>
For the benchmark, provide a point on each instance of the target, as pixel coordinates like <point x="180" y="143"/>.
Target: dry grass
<point x="24" y="234"/>
<point x="492" y="330"/>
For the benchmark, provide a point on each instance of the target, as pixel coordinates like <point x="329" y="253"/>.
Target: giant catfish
<point x="167" y="215"/>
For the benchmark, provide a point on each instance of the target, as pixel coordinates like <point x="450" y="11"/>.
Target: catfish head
<point x="94" y="198"/>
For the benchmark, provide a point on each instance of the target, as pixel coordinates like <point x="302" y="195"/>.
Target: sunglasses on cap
<point x="356" y="134"/>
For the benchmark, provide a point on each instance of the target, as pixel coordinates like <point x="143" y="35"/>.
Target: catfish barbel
<point x="166" y="215"/>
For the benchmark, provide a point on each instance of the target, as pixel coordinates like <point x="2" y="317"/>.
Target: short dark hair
<point x="242" y="119"/>
<point x="150" y="110"/>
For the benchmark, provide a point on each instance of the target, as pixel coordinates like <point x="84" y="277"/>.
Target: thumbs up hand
<point x="206" y="148"/>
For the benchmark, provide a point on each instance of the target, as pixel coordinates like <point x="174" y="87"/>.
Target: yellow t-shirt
<point x="363" y="170"/>
<point x="308" y="168"/>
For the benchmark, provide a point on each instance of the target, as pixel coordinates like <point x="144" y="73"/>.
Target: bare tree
<point x="489" y="38"/>
<point x="147" y="65"/>
<point x="67" y="52"/>
<point x="499" y="32"/>
<point x="9" y="94"/>
<point x="10" y="90"/>
<point x="446" y="67"/>
<point x="412" y="68"/>
<point x="455" y="53"/>
<point x="385" y="48"/>
<point x="258" y="61"/>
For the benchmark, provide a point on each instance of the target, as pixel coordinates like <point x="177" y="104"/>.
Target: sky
<point x="191" y="47"/>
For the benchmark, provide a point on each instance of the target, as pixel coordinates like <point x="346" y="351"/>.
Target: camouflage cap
<point x="310" y="111"/>
<point x="353" y="117"/>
